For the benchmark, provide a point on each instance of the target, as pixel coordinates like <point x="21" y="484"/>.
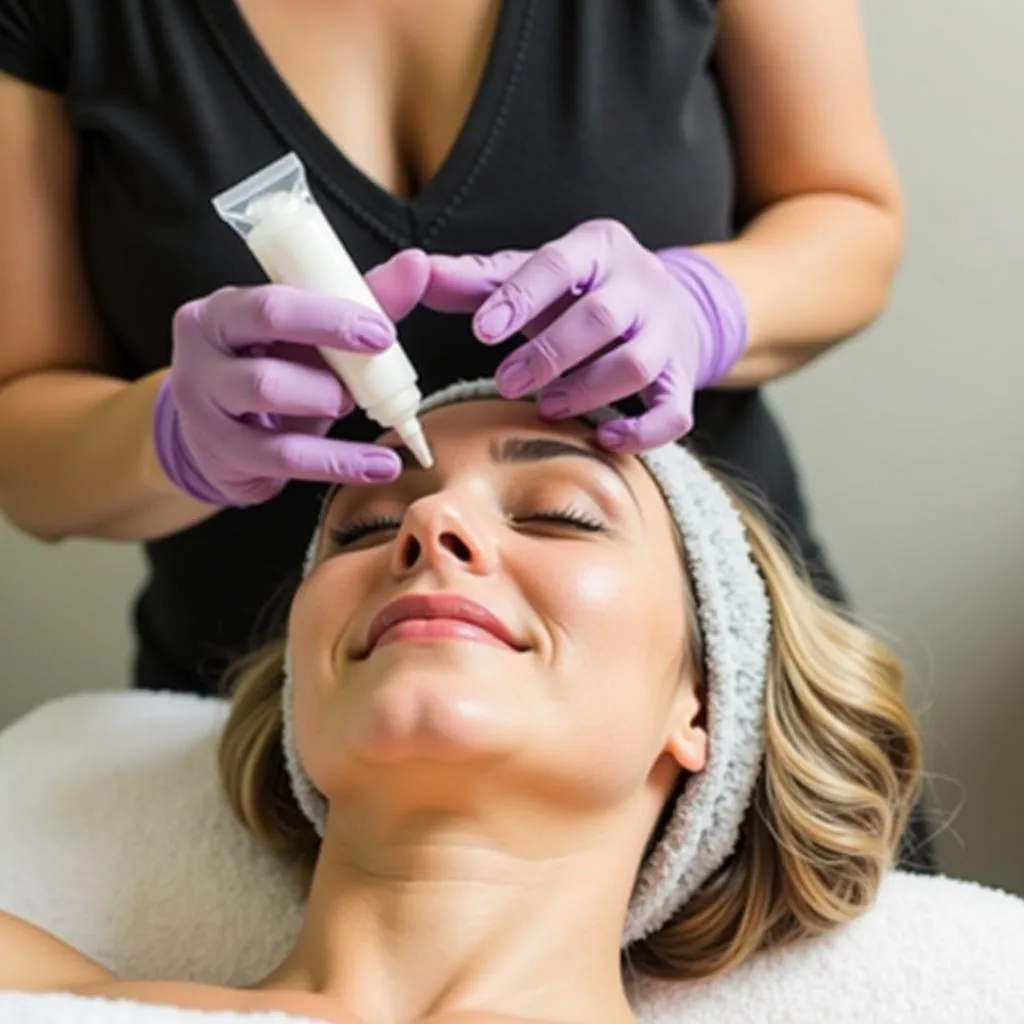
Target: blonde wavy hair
<point x="841" y="772"/>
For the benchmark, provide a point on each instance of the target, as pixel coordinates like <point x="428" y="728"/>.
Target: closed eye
<point x="351" y="533"/>
<point x="568" y="516"/>
<point x="360" y="529"/>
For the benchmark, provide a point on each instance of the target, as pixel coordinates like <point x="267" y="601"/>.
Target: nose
<point x="441" y="532"/>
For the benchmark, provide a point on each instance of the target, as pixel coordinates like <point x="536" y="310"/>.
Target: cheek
<point x="612" y="674"/>
<point x="320" y="619"/>
<point x="619" y="631"/>
<point x="598" y="617"/>
<point x="604" y="608"/>
<point x="597" y="594"/>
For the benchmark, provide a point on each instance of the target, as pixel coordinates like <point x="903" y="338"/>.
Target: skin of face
<point x="593" y="710"/>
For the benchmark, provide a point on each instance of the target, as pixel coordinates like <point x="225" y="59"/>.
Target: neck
<point x="435" y="913"/>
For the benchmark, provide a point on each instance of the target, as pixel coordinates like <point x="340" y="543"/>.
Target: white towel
<point x="115" y="836"/>
<point x="64" y="1009"/>
<point x="931" y="951"/>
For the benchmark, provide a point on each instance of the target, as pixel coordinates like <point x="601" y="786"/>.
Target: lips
<point x="450" y="608"/>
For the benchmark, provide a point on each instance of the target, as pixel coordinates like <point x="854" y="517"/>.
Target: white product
<point x="277" y="216"/>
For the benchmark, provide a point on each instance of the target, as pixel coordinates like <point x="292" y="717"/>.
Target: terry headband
<point x="734" y="619"/>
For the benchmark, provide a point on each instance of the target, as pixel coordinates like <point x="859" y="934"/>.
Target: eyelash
<point x="565" y="516"/>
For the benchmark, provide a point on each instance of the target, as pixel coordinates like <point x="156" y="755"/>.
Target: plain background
<point x="911" y="439"/>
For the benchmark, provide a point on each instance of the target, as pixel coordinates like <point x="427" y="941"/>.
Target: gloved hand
<point x="622" y="319"/>
<point x="248" y="400"/>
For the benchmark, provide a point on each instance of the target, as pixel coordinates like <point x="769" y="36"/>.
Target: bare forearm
<point x="77" y="459"/>
<point x="812" y="270"/>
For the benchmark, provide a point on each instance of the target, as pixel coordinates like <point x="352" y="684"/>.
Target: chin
<point x="434" y="702"/>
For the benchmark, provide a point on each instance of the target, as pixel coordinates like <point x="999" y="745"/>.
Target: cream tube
<point x="276" y="215"/>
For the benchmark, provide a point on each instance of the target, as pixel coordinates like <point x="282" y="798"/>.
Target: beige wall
<point x="912" y="441"/>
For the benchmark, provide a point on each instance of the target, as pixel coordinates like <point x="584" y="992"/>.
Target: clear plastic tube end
<point x="414" y="439"/>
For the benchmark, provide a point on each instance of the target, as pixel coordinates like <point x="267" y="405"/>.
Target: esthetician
<point x="698" y="191"/>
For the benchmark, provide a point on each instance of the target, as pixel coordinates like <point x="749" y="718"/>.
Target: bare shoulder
<point x="190" y="995"/>
<point x="33" y="960"/>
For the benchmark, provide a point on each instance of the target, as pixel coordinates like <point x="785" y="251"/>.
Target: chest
<point x="497" y="125"/>
<point x="389" y="82"/>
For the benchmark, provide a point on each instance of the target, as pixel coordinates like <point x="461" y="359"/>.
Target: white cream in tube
<point x="287" y="232"/>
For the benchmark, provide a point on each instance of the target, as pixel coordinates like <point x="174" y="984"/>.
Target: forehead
<point x="482" y="419"/>
<point x="465" y="434"/>
<point x="469" y="433"/>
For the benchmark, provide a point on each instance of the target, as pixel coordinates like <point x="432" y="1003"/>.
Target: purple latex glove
<point x="249" y="400"/>
<point x="607" y="319"/>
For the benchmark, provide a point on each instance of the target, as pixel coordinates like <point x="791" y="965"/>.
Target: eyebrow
<point x="533" y="449"/>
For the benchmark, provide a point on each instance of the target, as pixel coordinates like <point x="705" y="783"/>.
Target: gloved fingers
<point x="296" y="355"/>
<point x="400" y="284"/>
<point x="265" y="385"/>
<point x="459" y="284"/>
<point x="213" y="452"/>
<point x="325" y="460"/>
<point x="257" y="452"/>
<point x="669" y="416"/>
<point x="285" y="353"/>
<point x="554" y="270"/>
<point x="590" y="324"/>
<point x="626" y="370"/>
<point x="305" y="425"/>
<point x="234" y="319"/>
<point x="576" y="263"/>
<point x="252" y="491"/>
<point x="548" y="317"/>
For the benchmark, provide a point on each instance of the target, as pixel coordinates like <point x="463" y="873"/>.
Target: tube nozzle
<point x="414" y="439"/>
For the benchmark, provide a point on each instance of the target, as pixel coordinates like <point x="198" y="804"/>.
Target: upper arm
<point x="46" y="317"/>
<point x="32" y="960"/>
<point x="798" y="88"/>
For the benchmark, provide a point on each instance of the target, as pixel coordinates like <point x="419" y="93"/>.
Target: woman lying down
<point x="545" y="717"/>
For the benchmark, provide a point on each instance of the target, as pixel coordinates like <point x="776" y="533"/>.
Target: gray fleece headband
<point x="734" y="618"/>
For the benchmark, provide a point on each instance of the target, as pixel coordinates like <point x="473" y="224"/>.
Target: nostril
<point x="457" y="546"/>
<point x="412" y="551"/>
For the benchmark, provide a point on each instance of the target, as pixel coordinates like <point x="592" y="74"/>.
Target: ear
<point x="687" y="739"/>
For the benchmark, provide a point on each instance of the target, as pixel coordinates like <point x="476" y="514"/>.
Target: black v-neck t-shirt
<point x="587" y="108"/>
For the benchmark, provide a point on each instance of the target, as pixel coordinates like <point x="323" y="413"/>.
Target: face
<point x="521" y="605"/>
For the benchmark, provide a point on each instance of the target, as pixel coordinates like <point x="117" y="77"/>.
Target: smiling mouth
<point x="438" y="617"/>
